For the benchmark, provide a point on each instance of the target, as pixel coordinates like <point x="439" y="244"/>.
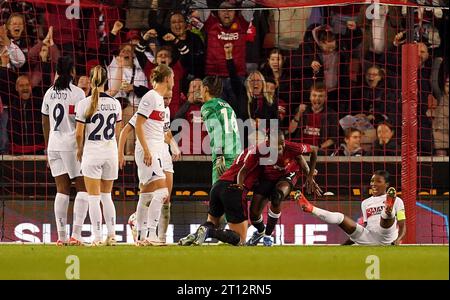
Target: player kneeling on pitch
<point x="381" y="213"/>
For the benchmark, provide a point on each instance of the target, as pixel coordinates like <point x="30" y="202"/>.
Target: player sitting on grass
<point x="381" y="213"/>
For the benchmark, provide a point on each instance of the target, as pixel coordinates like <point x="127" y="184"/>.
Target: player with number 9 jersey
<point x="59" y="107"/>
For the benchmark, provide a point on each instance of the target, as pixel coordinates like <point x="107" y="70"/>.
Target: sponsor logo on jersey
<point x="234" y="36"/>
<point x="372" y="211"/>
<point x="71" y="109"/>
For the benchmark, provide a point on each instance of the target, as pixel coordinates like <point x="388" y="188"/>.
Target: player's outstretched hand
<point x="220" y="165"/>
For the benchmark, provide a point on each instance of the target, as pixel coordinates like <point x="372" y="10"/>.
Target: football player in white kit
<point x="381" y="213"/>
<point x="58" y="122"/>
<point x="98" y="123"/>
<point x="148" y="156"/>
<point x="167" y="164"/>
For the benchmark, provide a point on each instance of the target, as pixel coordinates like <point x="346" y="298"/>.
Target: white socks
<point x="80" y="209"/>
<point x="327" y="216"/>
<point x="61" y="206"/>
<point x="109" y="212"/>
<point x="95" y="214"/>
<point x="142" y="215"/>
<point x="164" y="222"/>
<point x="154" y="211"/>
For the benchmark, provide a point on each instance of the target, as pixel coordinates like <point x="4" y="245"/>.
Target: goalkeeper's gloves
<point x="220" y="165"/>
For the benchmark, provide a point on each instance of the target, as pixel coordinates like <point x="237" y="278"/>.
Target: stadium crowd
<point x="330" y="75"/>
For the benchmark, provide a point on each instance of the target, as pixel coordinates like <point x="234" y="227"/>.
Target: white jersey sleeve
<point x="80" y="110"/>
<point x="45" y="109"/>
<point x="364" y="212"/>
<point x="132" y="120"/>
<point x="146" y="107"/>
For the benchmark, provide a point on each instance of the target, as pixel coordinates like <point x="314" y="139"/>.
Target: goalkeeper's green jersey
<point x="221" y="124"/>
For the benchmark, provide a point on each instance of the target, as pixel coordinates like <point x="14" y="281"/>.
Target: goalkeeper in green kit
<point x="221" y="124"/>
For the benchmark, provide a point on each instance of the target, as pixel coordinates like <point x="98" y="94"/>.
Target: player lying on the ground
<point x="381" y="213"/>
<point x="276" y="185"/>
<point x="228" y="197"/>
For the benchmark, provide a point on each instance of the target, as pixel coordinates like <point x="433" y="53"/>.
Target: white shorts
<point x="383" y="236"/>
<point x="167" y="163"/>
<point x="64" y="162"/>
<point x="106" y="168"/>
<point x="150" y="173"/>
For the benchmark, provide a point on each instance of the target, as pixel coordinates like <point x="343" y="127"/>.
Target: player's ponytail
<point x="98" y="79"/>
<point x="160" y="73"/>
<point x="64" y="68"/>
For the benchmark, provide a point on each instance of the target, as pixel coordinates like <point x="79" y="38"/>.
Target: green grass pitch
<point x="224" y="262"/>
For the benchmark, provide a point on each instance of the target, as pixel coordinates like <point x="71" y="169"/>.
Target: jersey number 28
<point x="108" y="131"/>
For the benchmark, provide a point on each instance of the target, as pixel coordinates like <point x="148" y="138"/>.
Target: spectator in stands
<point x="25" y="118"/>
<point x="191" y="137"/>
<point x="253" y="103"/>
<point x="385" y="145"/>
<point x="163" y="55"/>
<point x="32" y="19"/>
<point x="379" y="32"/>
<point x="374" y="100"/>
<point x="283" y="110"/>
<point x="340" y="15"/>
<point x="84" y="83"/>
<point x="278" y="68"/>
<point x="7" y="88"/>
<point x="187" y="46"/>
<point x="316" y="124"/>
<point x="440" y="116"/>
<point x="328" y="60"/>
<point x="43" y="51"/>
<point x="352" y="145"/>
<point x="16" y="56"/>
<point x="227" y="26"/>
